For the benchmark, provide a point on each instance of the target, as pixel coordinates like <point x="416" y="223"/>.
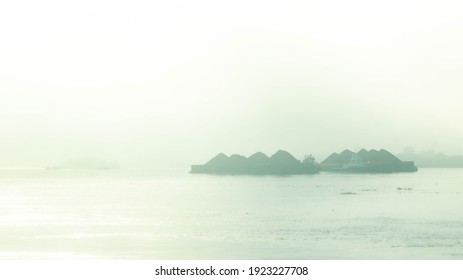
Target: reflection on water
<point x="141" y="214"/>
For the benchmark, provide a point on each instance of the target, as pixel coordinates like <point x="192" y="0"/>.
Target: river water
<point x="148" y="214"/>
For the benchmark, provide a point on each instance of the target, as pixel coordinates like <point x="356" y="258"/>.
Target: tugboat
<point x="356" y="164"/>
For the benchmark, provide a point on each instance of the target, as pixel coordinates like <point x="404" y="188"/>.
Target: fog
<point x="172" y="83"/>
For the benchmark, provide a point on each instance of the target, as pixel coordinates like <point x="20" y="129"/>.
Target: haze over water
<point x="143" y="214"/>
<point x="173" y="83"/>
<point x="147" y="85"/>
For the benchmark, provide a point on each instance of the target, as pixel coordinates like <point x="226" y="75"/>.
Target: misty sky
<point x="152" y="83"/>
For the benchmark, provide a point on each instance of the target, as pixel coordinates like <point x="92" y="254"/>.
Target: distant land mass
<point x="85" y="163"/>
<point x="432" y="159"/>
<point x="372" y="161"/>
<point x="280" y="163"/>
